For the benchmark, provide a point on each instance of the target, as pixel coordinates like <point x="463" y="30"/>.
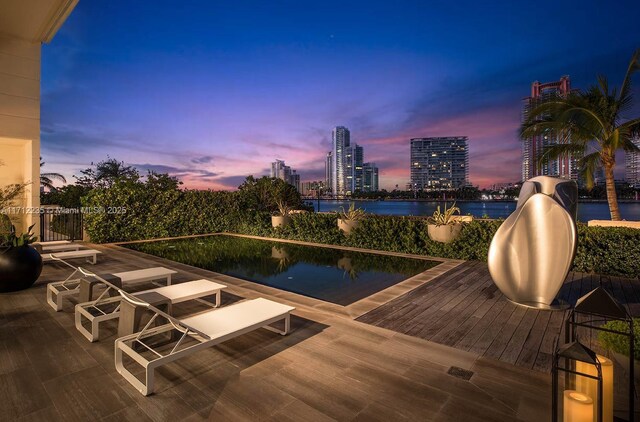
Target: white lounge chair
<point x="78" y="281"/>
<point x="106" y="307"/>
<point x="207" y="329"/>
<point x="84" y="253"/>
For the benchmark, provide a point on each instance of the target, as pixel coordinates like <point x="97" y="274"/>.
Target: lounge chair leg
<point x="145" y="388"/>
<point x="287" y="326"/>
<point x="55" y="302"/>
<point x="218" y="294"/>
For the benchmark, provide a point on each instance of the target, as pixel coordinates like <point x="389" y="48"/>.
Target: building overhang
<point x="35" y="21"/>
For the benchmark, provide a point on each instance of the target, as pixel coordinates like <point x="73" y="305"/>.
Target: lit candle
<point x="589" y="386"/>
<point x="578" y="407"/>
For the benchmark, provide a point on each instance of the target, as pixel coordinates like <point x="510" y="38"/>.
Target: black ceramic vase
<point x="19" y="268"/>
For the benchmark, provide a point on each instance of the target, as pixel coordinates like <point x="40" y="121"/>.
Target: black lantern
<point x="577" y="406"/>
<point x="594" y="309"/>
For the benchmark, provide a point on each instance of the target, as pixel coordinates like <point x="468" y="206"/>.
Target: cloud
<point x="230" y="182"/>
<point x="188" y="173"/>
<point x="205" y="159"/>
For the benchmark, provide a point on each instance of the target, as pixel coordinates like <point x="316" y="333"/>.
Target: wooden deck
<point x="465" y="310"/>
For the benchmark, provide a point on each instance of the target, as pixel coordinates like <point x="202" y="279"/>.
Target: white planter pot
<point x="280" y="220"/>
<point x="445" y="234"/>
<point x="347" y="225"/>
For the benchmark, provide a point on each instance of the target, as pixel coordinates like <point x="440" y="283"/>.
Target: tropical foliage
<point x="590" y="125"/>
<point x="620" y="343"/>
<point x="105" y="173"/>
<point x="444" y="218"/>
<point x="46" y="179"/>
<point x="135" y="210"/>
<point x="352" y="214"/>
<point x="15" y="240"/>
<point x="264" y="194"/>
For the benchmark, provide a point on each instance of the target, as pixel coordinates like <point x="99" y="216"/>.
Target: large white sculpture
<point x="532" y="251"/>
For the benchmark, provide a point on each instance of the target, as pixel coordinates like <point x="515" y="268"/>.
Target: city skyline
<point x="211" y="99"/>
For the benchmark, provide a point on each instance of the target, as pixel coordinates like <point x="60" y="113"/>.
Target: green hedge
<point x="152" y="211"/>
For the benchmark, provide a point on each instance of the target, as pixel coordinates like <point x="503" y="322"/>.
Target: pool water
<point x="333" y="275"/>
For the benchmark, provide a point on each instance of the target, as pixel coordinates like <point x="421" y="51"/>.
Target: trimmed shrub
<point x="617" y="342"/>
<point x="133" y="210"/>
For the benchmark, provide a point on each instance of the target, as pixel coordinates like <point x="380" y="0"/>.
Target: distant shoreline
<point x="590" y="201"/>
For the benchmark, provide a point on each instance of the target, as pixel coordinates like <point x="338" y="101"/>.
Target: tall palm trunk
<point x="611" y="192"/>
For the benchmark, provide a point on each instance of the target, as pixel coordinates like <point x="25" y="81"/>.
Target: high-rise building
<point x="439" y="163"/>
<point x="341" y="140"/>
<point x="370" y="177"/>
<point x="532" y="148"/>
<point x="632" y="165"/>
<point x="313" y="189"/>
<point x="344" y="167"/>
<point x="279" y="170"/>
<point x="328" y="172"/>
<point x="355" y="161"/>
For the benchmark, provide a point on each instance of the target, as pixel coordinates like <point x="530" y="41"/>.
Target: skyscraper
<point x="341" y="140"/>
<point x="328" y="172"/>
<point x="533" y="147"/>
<point x="370" y="177"/>
<point x="439" y="163"/>
<point x="344" y="166"/>
<point x="279" y="170"/>
<point x="632" y="166"/>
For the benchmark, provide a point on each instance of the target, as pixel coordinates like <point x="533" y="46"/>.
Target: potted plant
<point x="444" y="226"/>
<point x="349" y="220"/>
<point x="283" y="217"/>
<point x="20" y="263"/>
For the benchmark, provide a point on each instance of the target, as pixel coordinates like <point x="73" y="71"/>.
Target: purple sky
<point x="215" y="91"/>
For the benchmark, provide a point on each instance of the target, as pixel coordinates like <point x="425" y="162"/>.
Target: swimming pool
<point x="333" y="275"/>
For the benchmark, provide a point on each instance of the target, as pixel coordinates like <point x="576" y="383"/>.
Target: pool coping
<point x="353" y="310"/>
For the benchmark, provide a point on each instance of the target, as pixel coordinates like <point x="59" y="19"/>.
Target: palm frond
<point x="634" y="66"/>
<point x="603" y="83"/>
<point x="631" y="128"/>
<point x="54" y="176"/>
<point x="588" y="166"/>
<point x="561" y="150"/>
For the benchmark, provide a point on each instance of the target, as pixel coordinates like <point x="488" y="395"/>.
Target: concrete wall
<point x="20" y="120"/>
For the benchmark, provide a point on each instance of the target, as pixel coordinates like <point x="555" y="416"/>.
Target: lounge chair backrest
<point x="89" y="274"/>
<point x="177" y="324"/>
<point x="55" y="258"/>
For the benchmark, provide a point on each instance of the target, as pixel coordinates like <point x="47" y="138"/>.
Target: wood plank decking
<point x="464" y="309"/>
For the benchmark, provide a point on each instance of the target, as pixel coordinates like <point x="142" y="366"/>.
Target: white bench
<point x="61" y="248"/>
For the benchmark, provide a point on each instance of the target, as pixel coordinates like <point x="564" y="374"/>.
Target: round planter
<point x="19" y="268"/>
<point x="445" y="234"/>
<point x="347" y="225"/>
<point x="280" y="220"/>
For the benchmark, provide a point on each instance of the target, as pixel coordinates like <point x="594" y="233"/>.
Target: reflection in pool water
<point x="334" y="275"/>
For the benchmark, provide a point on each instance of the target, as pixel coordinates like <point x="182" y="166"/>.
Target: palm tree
<point x="589" y="125"/>
<point x="46" y="179"/>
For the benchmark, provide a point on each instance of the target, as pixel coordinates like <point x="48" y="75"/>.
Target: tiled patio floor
<point x="329" y="368"/>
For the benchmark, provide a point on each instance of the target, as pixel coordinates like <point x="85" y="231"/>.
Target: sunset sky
<point x="212" y="91"/>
